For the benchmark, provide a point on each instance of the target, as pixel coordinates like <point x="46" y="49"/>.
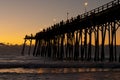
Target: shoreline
<point x="61" y="65"/>
<point x="39" y="62"/>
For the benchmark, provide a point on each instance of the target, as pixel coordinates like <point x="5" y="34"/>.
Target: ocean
<point x="25" y="73"/>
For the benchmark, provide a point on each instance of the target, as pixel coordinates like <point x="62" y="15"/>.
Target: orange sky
<point x="21" y="17"/>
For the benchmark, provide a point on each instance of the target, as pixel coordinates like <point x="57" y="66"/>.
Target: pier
<point x="72" y="39"/>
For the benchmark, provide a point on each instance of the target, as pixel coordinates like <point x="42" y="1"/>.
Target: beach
<point x="28" y="68"/>
<point x="61" y="76"/>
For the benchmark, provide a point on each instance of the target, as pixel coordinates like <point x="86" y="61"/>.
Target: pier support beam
<point x="89" y="45"/>
<point x="76" y="51"/>
<point x="30" y="47"/>
<point x="85" y="44"/>
<point x="96" y="34"/>
<point x="81" y="44"/>
<point x="23" y="49"/>
<point x="103" y="33"/>
<point x="35" y="48"/>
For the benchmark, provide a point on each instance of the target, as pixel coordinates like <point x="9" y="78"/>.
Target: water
<point x="61" y="76"/>
<point x="52" y="73"/>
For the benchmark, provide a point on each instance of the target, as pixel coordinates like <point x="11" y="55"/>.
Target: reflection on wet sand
<point x="54" y="70"/>
<point x="70" y="70"/>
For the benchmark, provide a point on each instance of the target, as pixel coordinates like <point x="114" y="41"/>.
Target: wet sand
<point x="37" y="62"/>
<point x="68" y="76"/>
<point x="7" y="62"/>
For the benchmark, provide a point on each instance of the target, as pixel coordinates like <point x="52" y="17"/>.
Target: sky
<point x="21" y="17"/>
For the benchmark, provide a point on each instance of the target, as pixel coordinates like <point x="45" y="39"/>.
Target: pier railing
<point x="87" y="14"/>
<point x="101" y="8"/>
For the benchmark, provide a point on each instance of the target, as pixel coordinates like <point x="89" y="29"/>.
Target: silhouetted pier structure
<point x="72" y="39"/>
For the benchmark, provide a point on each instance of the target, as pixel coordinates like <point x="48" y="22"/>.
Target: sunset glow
<point x="21" y="17"/>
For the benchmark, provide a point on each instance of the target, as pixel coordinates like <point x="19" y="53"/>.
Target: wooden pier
<point x="72" y="39"/>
